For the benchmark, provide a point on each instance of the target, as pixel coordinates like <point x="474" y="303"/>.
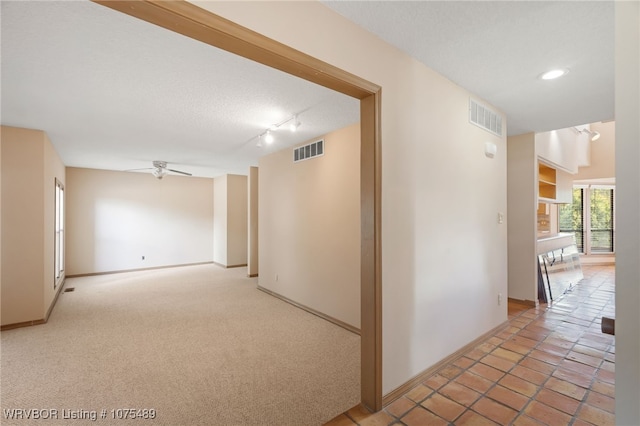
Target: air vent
<point x="306" y="152"/>
<point x="484" y="117"/>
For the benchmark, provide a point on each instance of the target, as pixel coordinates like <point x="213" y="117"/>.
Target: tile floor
<point x="551" y="366"/>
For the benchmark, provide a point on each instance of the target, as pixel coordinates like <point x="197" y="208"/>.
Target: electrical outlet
<point x="499" y="299"/>
<point x="500" y="217"/>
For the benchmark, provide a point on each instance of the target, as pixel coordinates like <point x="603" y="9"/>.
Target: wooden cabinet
<point x="564" y="187"/>
<point x="546" y="183"/>
<point x="554" y="186"/>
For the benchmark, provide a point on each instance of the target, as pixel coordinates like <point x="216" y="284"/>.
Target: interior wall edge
<point x="325" y="317"/>
<point x="627" y="215"/>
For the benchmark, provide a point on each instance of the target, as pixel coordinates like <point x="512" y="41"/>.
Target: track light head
<point x="267" y="134"/>
<point x="268" y="138"/>
<point x="594" y="136"/>
<point x="294" y="124"/>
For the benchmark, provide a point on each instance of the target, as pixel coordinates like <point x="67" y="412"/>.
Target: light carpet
<point x="200" y="345"/>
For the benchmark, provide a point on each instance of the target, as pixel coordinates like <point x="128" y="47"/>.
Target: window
<point x="59" y="237"/>
<point x="571" y="218"/>
<point x="591" y="218"/>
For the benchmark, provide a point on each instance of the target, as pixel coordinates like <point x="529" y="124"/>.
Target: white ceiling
<point x="113" y="92"/>
<point x="497" y="50"/>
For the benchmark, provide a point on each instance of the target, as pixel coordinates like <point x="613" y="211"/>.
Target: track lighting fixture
<point x="267" y="135"/>
<point x="594" y="136"/>
<point x="294" y="123"/>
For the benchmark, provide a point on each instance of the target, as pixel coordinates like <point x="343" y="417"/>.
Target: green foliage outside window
<point x="570" y="218"/>
<point x="602" y="220"/>
<point x="600" y="231"/>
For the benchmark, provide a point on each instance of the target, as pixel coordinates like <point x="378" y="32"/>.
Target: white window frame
<point x="586" y="219"/>
<point x="586" y="214"/>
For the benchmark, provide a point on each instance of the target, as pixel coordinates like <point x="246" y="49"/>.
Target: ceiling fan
<point x="160" y="169"/>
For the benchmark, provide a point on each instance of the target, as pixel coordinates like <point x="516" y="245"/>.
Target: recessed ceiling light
<point x="553" y="74"/>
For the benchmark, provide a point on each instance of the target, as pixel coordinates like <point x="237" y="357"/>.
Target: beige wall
<point x="628" y="212"/>
<point x="230" y="220"/>
<point x="310" y="226"/>
<point x="0" y="225"/>
<point x="443" y="251"/>
<point x="23" y="225"/>
<point x="237" y="229"/>
<point x="522" y="175"/>
<point x="602" y="162"/>
<point x="29" y="169"/>
<point x="220" y="220"/>
<point x="252" y="222"/>
<point x="115" y="218"/>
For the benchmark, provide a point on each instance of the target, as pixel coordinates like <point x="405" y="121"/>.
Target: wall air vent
<point x="308" y="151"/>
<point x="484" y="117"/>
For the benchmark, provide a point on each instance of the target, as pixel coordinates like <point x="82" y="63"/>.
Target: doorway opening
<point x="192" y="21"/>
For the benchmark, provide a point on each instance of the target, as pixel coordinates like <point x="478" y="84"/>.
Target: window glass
<point x="591" y="218"/>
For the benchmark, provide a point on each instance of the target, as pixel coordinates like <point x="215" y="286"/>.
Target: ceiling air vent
<point x="306" y="152"/>
<point x="484" y="117"/>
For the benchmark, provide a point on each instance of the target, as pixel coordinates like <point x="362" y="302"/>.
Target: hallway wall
<point x="443" y="250"/>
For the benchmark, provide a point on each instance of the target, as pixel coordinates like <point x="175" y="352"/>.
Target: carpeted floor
<point x="200" y="345"/>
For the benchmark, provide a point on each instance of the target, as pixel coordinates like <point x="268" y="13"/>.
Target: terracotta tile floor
<point x="551" y="366"/>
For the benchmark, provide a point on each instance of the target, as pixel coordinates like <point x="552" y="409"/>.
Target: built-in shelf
<point x="547" y="200"/>
<point x="546" y="183"/>
<point x="554" y="186"/>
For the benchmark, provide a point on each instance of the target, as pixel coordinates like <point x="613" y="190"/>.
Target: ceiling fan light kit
<point x="160" y="170"/>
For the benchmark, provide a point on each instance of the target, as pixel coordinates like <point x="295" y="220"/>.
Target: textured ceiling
<point x="114" y="92"/>
<point x="497" y="50"/>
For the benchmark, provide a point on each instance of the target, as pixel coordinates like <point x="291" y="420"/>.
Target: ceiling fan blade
<point x="182" y="173"/>
<point x="136" y="170"/>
